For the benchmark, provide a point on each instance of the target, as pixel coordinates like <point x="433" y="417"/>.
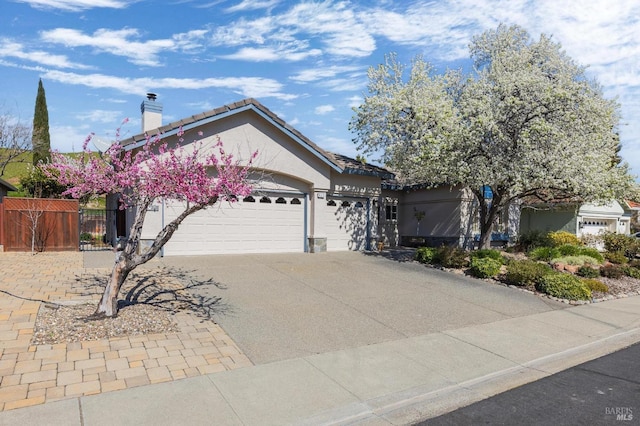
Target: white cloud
<point x="245" y="5"/>
<point x="324" y="109"/>
<point x="315" y="74"/>
<point x="68" y="138"/>
<point x="256" y="87"/>
<point x="76" y="5"/>
<point x="123" y="43"/>
<point x="12" y="49"/>
<point x="355" y="101"/>
<point x="101" y="116"/>
<point x="273" y="54"/>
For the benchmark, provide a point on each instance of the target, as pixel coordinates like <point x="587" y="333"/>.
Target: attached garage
<point x="305" y="199"/>
<point x="346" y="223"/>
<point x="265" y="223"/>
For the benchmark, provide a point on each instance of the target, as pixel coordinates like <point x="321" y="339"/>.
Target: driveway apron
<point x="283" y="306"/>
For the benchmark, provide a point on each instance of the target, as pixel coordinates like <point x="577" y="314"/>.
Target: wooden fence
<point x="47" y="224"/>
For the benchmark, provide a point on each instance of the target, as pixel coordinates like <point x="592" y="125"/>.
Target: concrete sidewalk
<point x="394" y="382"/>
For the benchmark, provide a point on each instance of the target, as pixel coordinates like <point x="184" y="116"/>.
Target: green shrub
<point x="451" y="257"/>
<point x="588" y="272"/>
<point x="484" y="267"/>
<point x="560" y="238"/>
<point x="569" y="250"/>
<point x="596" y="285"/>
<point x="625" y="244"/>
<point x="635" y="263"/>
<point x="532" y="239"/>
<point x="591" y="252"/>
<point x="526" y="272"/>
<point x="616" y="257"/>
<point x="425" y="254"/>
<point x="575" y="260"/>
<point x="612" y="271"/>
<point x="544" y="253"/>
<point x="86" y="236"/>
<point x="564" y="286"/>
<point x="487" y="254"/>
<point x="631" y="271"/>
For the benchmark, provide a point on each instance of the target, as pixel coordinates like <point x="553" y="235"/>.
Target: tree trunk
<point x="108" y="306"/>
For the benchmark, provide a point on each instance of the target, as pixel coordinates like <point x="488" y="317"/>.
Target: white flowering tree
<point x="526" y="123"/>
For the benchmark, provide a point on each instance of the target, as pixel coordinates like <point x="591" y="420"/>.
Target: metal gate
<point x="96" y="229"/>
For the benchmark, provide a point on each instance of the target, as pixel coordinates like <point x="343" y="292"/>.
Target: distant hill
<point x="17" y="168"/>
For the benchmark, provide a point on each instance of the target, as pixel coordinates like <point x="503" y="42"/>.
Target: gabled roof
<point x="339" y="163"/>
<point x="7" y="185"/>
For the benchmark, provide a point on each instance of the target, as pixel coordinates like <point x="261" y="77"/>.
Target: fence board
<point x="54" y="223"/>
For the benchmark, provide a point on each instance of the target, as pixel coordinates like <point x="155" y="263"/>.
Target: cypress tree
<point x="40" y="138"/>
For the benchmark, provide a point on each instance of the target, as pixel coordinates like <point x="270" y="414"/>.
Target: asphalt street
<point x="605" y="391"/>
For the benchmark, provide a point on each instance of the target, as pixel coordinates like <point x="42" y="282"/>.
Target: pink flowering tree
<point x="143" y="175"/>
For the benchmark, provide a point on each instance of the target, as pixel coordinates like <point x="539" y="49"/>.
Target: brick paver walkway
<point x="35" y="374"/>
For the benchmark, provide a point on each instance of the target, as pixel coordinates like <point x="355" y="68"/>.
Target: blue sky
<point x="304" y="60"/>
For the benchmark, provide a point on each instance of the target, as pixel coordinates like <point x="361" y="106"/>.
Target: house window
<point x="295" y="201"/>
<point x="281" y="200"/>
<point x="345" y="204"/>
<point x="331" y="203"/>
<point x="249" y="199"/>
<point x="359" y="205"/>
<point x="265" y="200"/>
<point x="391" y="212"/>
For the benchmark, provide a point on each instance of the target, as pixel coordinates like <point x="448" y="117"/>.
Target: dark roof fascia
<point x="8" y="185"/>
<point x="363" y="172"/>
<point x="248" y="104"/>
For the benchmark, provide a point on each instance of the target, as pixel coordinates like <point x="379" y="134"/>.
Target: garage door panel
<point x="346" y="224"/>
<point x="242" y="227"/>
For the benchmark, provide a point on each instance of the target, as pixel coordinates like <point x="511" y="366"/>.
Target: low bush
<point x="591" y="252"/>
<point x="451" y="257"/>
<point x="526" y="272"/>
<point x="632" y="272"/>
<point x="627" y="245"/>
<point x="564" y="286"/>
<point x="588" y="272"/>
<point x="487" y="254"/>
<point x="532" y="239"/>
<point x="612" y="271"/>
<point x="575" y="260"/>
<point x="484" y="267"/>
<point x="616" y="257"/>
<point x="560" y="238"/>
<point x="544" y="253"/>
<point x="569" y="250"/>
<point x="425" y="254"/>
<point x="596" y="285"/>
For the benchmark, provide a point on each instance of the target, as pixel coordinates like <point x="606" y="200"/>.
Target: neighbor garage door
<point x="269" y="223"/>
<point x="345" y="223"/>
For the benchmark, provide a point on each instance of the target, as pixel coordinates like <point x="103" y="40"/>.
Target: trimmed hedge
<point x="564" y="286"/>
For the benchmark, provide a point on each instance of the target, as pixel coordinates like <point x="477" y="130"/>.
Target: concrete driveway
<point x="282" y="306"/>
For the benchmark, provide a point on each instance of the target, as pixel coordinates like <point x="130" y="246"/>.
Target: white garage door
<point x="346" y="224"/>
<point x="273" y="223"/>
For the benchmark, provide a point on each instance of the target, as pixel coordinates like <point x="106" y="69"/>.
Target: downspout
<point x="367" y="244"/>
<point x="306" y="218"/>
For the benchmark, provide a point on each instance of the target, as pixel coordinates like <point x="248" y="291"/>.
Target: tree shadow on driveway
<point x="166" y="288"/>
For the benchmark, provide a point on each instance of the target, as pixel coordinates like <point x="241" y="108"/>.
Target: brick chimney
<point x="151" y="113"/>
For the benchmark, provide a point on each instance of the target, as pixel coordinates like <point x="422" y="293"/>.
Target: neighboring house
<point x="5" y="187"/>
<point x="305" y="199"/>
<point x="415" y="215"/>
<point x="581" y="220"/>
